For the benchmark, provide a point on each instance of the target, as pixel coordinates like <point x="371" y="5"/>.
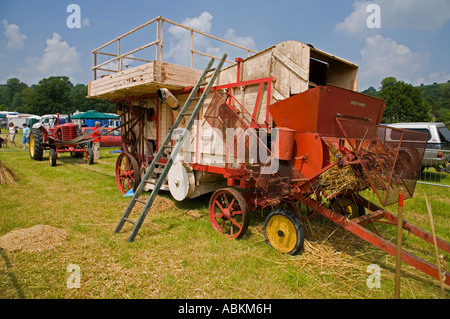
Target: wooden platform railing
<point x="159" y="43"/>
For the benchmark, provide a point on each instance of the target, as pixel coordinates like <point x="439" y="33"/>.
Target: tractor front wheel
<point x="90" y="156"/>
<point x="228" y="212"/>
<point x="284" y="231"/>
<point x="52" y="157"/>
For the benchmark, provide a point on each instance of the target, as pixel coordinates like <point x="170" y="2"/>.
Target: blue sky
<point x="412" y="43"/>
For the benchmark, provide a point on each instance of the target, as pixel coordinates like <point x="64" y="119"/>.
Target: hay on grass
<point x="34" y="239"/>
<point x="7" y="175"/>
<point x="336" y="180"/>
<point x="160" y="204"/>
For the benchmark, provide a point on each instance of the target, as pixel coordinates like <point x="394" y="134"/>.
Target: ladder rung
<point x="196" y="98"/>
<point x="187" y="114"/>
<point x="155" y="162"/>
<point x="140" y="201"/>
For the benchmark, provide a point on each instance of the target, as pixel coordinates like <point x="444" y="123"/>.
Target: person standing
<point x="26" y="135"/>
<point x="96" y="141"/>
<point x="12" y="134"/>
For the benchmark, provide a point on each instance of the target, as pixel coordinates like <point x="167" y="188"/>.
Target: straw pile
<point x="7" y="175"/>
<point x="160" y="204"/>
<point x="34" y="239"/>
<point x="340" y="180"/>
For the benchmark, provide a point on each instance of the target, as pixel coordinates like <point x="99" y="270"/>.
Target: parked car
<point x="107" y="139"/>
<point x="437" y="153"/>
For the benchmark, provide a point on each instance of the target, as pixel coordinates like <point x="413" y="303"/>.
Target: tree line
<point x="55" y="94"/>
<point x="408" y="103"/>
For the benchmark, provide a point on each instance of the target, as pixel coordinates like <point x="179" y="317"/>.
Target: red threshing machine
<point x="61" y="138"/>
<point x="284" y="127"/>
<point x="322" y="132"/>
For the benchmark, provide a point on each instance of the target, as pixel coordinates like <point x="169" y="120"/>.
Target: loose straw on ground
<point x="441" y="277"/>
<point x="7" y="175"/>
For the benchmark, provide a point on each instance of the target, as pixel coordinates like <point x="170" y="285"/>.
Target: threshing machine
<point x="284" y="127"/>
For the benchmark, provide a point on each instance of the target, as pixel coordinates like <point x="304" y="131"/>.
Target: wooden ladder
<point x="184" y="112"/>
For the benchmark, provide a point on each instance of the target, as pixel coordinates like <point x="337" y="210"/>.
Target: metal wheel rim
<point x="127" y="172"/>
<point x="228" y="213"/>
<point x="281" y="233"/>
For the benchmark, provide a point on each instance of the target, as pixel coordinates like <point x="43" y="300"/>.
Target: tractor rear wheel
<point x="284" y="231"/>
<point x="52" y="157"/>
<point x="36" y="144"/>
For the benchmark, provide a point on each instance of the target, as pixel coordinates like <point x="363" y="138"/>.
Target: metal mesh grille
<point x="69" y="132"/>
<point x="391" y="158"/>
<point x="273" y="185"/>
<point x="221" y="116"/>
<point x="251" y="148"/>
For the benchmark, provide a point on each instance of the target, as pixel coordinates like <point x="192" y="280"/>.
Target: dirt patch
<point x="33" y="239"/>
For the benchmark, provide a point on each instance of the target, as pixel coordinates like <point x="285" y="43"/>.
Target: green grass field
<point x="177" y="254"/>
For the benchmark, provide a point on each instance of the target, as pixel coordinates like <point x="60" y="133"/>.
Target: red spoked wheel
<point x="228" y="212"/>
<point x="127" y="172"/>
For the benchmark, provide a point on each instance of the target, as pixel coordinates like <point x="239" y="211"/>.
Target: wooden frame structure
<point x="158" y="43"/>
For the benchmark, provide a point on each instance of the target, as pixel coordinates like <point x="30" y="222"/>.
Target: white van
<point x="437" y="153"/>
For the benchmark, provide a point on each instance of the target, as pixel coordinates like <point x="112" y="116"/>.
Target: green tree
<point x="404" y="102"/>
<point x="51" y="95"/>
<point x="371" y="91"/>
<point x="4" y="95"/>
<point x="14" y="86"/>
<point x="444" y="99"/>
<point x="81" y="103"/>
<point x="388" y="82"/>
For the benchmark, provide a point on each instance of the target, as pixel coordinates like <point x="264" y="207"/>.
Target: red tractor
<point x="58" y="138"/>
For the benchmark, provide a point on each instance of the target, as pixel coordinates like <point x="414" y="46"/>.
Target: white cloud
<point x="398" y="14"/>
<point x="180" y="42"/>
<point x="15" y="38"/>
<point x="86" y="22"/>
<point x="59" y="59"/>
<point x="382" y="57"/>
<point x="247" y="42"/>
<point x="356" y="21"/>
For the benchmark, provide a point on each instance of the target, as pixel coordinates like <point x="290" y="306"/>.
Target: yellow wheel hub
<point x="31" y="145"/>
<point x="281" y="233"/>
<point x="346" y="207"/>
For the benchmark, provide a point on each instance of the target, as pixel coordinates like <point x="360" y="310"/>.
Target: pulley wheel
<point x="181" y="181"/>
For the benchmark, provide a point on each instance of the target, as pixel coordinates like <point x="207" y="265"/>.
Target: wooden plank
<point x="144" y="79"/>
<point x="291" y="65"/>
